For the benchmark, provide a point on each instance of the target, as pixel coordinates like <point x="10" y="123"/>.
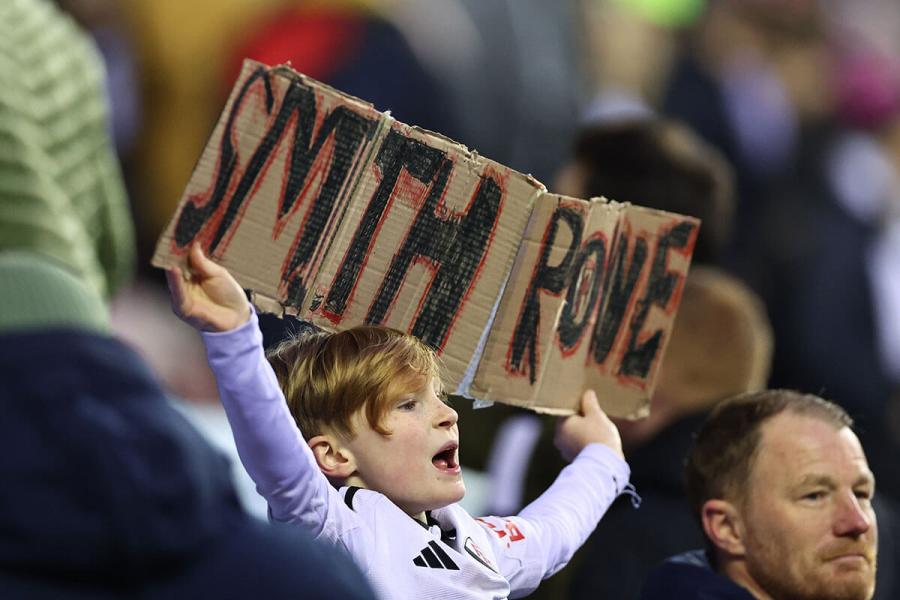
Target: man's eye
<point x="817" y="495"/>
<point x="863" y="494"/>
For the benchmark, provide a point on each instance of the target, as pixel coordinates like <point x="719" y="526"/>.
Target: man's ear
<point x="723" y="526"/>
<point x="334" y="459"/>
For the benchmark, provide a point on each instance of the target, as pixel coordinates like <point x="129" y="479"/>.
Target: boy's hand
<point x="211" y="299"/>
<point x="590" y="425"/>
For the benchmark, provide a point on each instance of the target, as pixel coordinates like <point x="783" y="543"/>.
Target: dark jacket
<point x="629" y="543"/>
<point x="109" y="492"/>
<point x="689" y="577"/>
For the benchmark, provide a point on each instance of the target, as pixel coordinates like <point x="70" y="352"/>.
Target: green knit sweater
<point x="61" y="190"/>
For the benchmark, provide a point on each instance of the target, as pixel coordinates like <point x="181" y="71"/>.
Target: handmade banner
<point x="590" y="304"/>
<point x="426" y="245"/>
<point x="326" y="208"/>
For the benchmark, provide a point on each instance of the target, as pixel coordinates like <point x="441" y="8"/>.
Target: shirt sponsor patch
<point x="508" y="532"/>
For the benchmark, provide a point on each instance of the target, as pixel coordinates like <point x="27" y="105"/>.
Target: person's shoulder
<point x="690" y="576"/>
<point x="259" y="560"/>
<point x="376" y="512"/>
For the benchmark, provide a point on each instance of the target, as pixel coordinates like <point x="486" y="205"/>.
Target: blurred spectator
<point x="657" y="163"/>
<point x="141" y="317"/>
<point x="721" y="345"/>
<point x="357" y="51"/>
<point x="180" y="48"/>
<point x="518" y="94"/>
<point x="776" y="90"/>
<point x="755" y="83"/>
<point x="478" y="71"/>
<point x="60" y="183"/>
<point x="109" y="490"/>
<point x="832" y="292"/>
<point x="627" y="56"/>
<point x="104" y="21"/>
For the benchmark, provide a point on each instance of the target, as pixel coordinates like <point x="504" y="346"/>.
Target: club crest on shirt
<point x="476" y="553"/>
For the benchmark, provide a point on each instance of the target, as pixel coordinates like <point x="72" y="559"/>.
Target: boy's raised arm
<point x="268" y="442"/>
<point x="543" y="537"/>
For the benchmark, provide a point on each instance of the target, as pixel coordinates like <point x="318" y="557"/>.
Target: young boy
<point x="366" y="401"/>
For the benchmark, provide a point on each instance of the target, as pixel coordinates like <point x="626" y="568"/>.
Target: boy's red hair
<point x="327" y="377"/>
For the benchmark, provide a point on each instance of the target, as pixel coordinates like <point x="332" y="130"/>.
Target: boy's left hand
<point x="589" y="426"/>
<point x="211" y="300"/>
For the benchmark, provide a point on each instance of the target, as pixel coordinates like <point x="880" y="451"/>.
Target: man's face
<point x="809" y="527"/>
<point x="417" y="466"/>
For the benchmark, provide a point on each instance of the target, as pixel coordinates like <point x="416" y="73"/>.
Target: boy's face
<point x="417" y="466"/>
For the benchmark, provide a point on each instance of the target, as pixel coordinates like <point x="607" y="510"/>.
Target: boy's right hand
<point x="210" y="299"/>
<point x="589" y="426"/>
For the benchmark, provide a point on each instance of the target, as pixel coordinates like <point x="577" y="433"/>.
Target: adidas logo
<point x="433" y="557"/>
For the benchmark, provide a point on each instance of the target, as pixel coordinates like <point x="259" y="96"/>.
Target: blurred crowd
<point x="797" y="102"/>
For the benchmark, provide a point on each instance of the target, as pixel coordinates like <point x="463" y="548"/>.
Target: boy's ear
<point x="334" y="459"/>
<point x="723" y="526"/>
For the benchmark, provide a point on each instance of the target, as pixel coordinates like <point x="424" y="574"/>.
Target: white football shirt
<point x="454" y="556"/>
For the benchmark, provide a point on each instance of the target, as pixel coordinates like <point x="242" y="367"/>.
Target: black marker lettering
<point x="620" y="288"/>
<point x="455" y="246"/>
<point x="193" y="218"/>
<point x="397" y="152"/>
<point x="349" y="130"/>
<point x="569" y="331"/>
<point x="546" y="278"/>
<point x="637" y="359"/>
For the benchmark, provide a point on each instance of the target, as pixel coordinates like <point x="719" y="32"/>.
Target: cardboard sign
<point x="426" y="245"/>
<point x="590" y="304"/>
<point x="269" y="187"/>
<point x="326" y="208"/>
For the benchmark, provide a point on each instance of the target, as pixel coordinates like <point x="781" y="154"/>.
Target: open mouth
<point x="446" y="459"/>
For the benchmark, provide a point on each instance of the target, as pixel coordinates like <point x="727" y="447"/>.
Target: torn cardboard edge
<point x="335" y="212"/>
